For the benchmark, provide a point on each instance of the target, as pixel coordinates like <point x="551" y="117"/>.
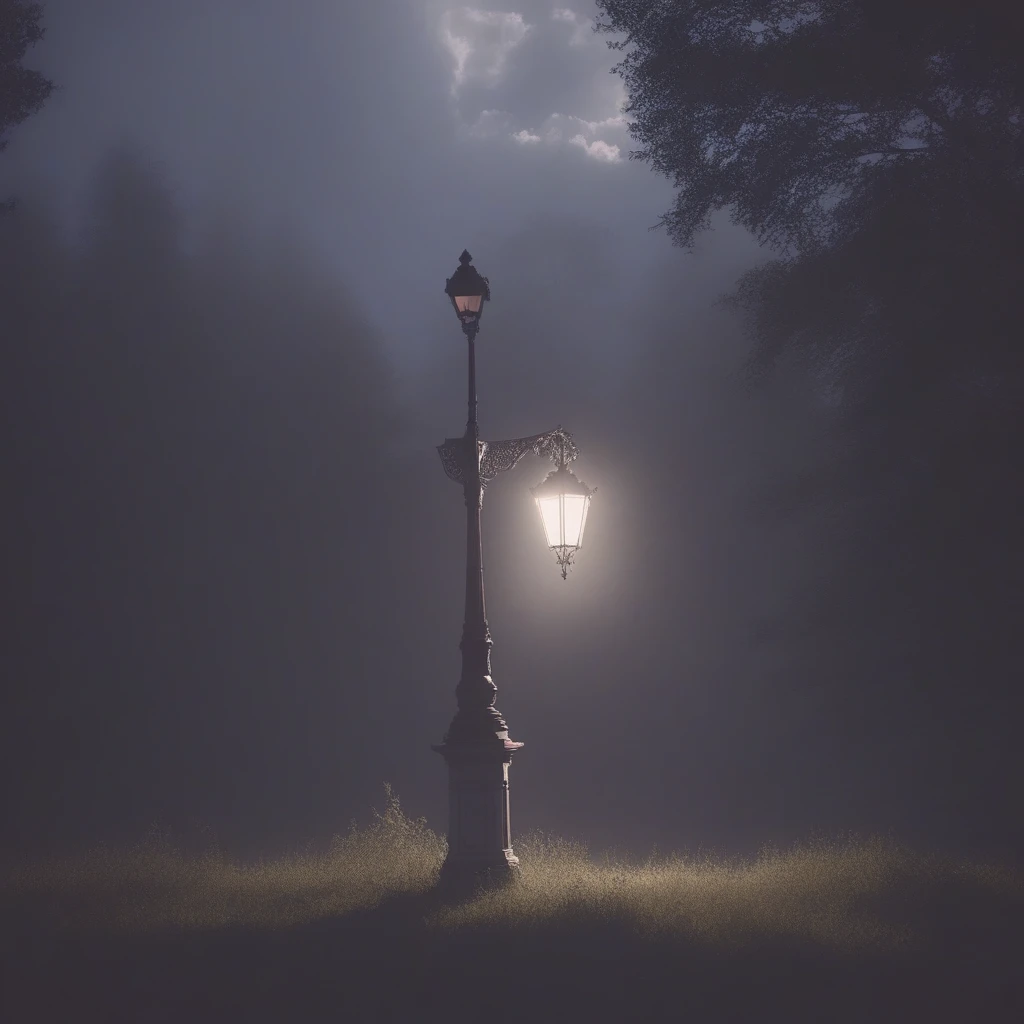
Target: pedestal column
<point x="479" y="826"/>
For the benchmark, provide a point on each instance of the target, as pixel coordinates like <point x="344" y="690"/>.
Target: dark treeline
<point x="192" y="433"/>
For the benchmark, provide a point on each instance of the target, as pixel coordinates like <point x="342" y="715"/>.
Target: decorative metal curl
<point x="453" y="458"/>
<point x="498" y="456"/>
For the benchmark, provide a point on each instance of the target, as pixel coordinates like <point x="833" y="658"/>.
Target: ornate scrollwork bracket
<point x="454" y="458"/>
<point x="497" y="456"/>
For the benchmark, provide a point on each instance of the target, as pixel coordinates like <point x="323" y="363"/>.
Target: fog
<point x="237" y="566"/>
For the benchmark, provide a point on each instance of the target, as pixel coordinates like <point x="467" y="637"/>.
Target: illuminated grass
<point x="154" y="886"/>
<point x="852" y="895"/>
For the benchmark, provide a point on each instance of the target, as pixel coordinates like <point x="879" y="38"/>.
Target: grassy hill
<point x="844" y="931"/>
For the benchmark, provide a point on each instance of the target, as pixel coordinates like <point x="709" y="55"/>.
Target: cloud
<point x="582" y="27"/>
<point x="492" y="124"/>
<point x="558" y="129"/>
<point x="590" y="136"/>
<point x="511" y="69"/>
<point x="613" y="122"/>
<point x="598" y="149"/>
<point x="480" y="42"/>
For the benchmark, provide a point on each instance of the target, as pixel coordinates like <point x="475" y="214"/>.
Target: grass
<point x="852" y="930"/>
<point x="154" y="886"/>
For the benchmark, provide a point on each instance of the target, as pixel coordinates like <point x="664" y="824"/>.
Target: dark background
<point x="234" y="565"/>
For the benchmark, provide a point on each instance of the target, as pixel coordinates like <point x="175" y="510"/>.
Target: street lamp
<point x="477" y="748"/>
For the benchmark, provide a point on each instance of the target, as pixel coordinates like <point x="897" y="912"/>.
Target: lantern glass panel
<point x="564" y="517"/>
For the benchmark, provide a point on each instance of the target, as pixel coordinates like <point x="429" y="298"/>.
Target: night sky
<point x="235" y="564"/>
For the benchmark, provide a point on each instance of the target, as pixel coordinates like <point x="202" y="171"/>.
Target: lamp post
<point x="477" y="748"/>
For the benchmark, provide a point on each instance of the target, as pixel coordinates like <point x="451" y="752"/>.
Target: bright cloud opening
<point x="480" y="42"/>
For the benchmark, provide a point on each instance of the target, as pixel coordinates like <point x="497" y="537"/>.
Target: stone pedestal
<point x="479" y="826"/>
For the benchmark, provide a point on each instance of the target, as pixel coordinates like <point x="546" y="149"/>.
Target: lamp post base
<point x="463" y="878"/>
<point x="479" y="828"/>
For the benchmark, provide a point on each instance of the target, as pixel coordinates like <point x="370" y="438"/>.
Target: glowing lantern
<point x="563" y="502"/>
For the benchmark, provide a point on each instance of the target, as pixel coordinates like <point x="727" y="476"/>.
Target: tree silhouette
<point x="877" y="149"/>
<point x="22" y="91"/>
<point x="801" y="117"/>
